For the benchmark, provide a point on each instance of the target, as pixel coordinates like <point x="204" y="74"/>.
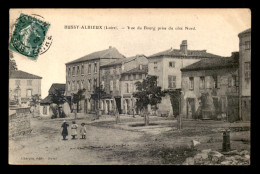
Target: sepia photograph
<point x="129" y="86"/>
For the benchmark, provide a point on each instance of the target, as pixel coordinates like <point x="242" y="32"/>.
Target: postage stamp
<point x="28" y="36"/>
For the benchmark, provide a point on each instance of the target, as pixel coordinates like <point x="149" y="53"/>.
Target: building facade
<point x="22" y="86"/>
<point x="210" y="89"/>
<point x="167" y="66"/>
<point x="111" y="75"/>
<point x="245" y="74"/>
<point x="84" y="73"/>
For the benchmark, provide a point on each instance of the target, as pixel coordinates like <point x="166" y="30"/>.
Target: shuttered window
<point x="171" y="81"/>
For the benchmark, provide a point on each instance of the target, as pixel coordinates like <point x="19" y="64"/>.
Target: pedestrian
<point x="83" y="131"/>
<point x="64" y="132"/>
<point x="74" y="127"/>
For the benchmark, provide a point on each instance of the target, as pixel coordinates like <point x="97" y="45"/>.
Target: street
<point x="125" y="143"/>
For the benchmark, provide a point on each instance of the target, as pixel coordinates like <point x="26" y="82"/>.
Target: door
<point x="118" y="105"/>
<point x="190" y="107"/>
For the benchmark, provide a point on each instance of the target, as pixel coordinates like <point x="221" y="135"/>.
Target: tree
<point x="58" y="98"/>
<point x="175" y="97"/>
<point x="97" y="94"/>
<point x="77" y="98"/>
<point x="34" y="102"/>
<point x="12" y="63"/>
<point x="148" y="93"/>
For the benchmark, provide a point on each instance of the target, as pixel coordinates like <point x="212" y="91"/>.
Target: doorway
<point x="190" y="108"/>
<point x="118" y="105"/>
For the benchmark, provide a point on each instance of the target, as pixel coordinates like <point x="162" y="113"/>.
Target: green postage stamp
<point x="28" y="36"/>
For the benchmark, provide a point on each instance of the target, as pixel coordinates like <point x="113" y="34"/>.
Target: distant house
<point x="22" y="86"/>
<point x="210" y="88"/>
<point x="166" y="66"/>
<point x="47" y="101"/>
<point x="84" y="73"/>
<point x="111" y="81"/>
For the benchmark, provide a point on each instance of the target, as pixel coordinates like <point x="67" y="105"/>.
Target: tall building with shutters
<point x="166" y="65"/>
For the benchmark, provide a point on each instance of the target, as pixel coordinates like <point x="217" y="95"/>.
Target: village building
<point x="22" y="86"/>
<point x="45" y="104"/>
<point x="111" y="75"/>
<point x="210" y="89"/>
<point x="128" y="82"/>
<point x="245" y="74"/>
<point x="166" y="65"/>
<point x="83" y="73"/>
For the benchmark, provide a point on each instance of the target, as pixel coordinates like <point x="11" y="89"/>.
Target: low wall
<point x="19" y="121"/>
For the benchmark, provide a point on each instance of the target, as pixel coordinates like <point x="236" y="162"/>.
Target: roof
<point x="46" y="100"/>
<point x="245" y="32"/>
<point x="18" y="74"/>
<point x="214" y="63"/>
<point x="137" y="70"/>
<point x="58" y="86"/>
<point x="121" y="61"/>
<point x="108" y="53"/>
<point x="190" y="54"/>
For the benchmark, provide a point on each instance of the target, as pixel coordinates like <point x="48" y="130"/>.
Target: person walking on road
<point x="83" y="131"/>
<point x="74" y="127"/>
<point x="64" y="132"/>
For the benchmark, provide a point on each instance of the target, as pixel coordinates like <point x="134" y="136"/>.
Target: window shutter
<point x="169" y="82"/>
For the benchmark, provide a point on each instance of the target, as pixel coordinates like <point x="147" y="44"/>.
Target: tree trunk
<point x="146" y="117"/>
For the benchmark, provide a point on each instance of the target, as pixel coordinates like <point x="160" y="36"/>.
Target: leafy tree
<point x="58" y="98"/>
<point x="77" y="98"/>
<point x="175" y="97"/>
<point x="148" y="93"/>
<point x="97" y="94"/>
<point x="34" y="102"/>
<point x="12" y="63"/>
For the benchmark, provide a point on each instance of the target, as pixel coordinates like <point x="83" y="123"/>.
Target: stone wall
<point x="19" y="122"/>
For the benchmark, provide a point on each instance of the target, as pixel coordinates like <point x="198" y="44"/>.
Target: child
<point x="74" y="127"/>
<point x="83" y="131"/>
<point x="64" y="132"/>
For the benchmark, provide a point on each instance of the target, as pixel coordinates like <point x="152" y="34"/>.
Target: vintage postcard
<point x="129" y="86"/>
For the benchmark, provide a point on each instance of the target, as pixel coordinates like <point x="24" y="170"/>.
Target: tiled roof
<point x="23" y="75"/>
<point x="137" y="70"/>
<point x="244" y="32"/>
<point x="214" y="63"/>
<point x="58" y="86"/>
<point x="46" y="100"/>
<point x="108" y="53"/>
<point x="121" y="61"/>
<point x="190" y="53"/>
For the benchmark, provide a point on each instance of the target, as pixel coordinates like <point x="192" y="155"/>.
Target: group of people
<point x="74" y="127"/>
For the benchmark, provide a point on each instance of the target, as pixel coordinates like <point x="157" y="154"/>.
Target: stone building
<point x="22" y="86"/>
<point x="111" y="75"/>
<point x="245" y="74"/>
<point x="83" y="73"/>
<point x="128" y="80"/>
<point x="166" y="66"/>
<point x="210" y="88"/>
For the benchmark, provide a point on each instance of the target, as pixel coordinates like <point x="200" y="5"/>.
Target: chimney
<point x="184" y="47"/>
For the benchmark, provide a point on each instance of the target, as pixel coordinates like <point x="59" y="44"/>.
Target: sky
<point x="216" y="30"/>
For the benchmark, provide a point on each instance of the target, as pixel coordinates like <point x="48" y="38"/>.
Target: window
<point x="130" y="87"/>
<point x="215" y="81"/>
<point x="29" y="82"/>
<point x="126" y="77"/>
<point x="229" y="81"/>
<point x="95" y="67"/>
<point x="82" y="69"/>
<point x="82" y="84"/>
<point x="171" y="81"/>
<point x="134" y="76"/>
<point x="137" y="76"/>
<point x="202" y="82"/>
<point x="69" y="72"/>
<point x="78" y="85"/>
<point x="78" y="70"/>
<point x="247" y="70"/>
<point x="208" y="79"/>
<point x="127" y="88"/>
<point x="73" y="71"/>
<point x="28" y="93"/>
<point x="17" y="82"/>
<point x="247" y="45"/>
<point x="89" y="84"/>
<point x="143" y="76"/>
<point x="73" y="85"/>
<point x="171" y="64"/>
<point x="155" y="66"/>
<point x="191" y="83"/>
<point x="95" y="83"/>
<point x="235" y="80"/>
<point x="117" y="85"/>
<point x="111" y="85"/>
<point x="131" y="77"/>
<point x="89" y="68"/>
<point x="102" y="84"/>
<point x="68" y="86"/>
